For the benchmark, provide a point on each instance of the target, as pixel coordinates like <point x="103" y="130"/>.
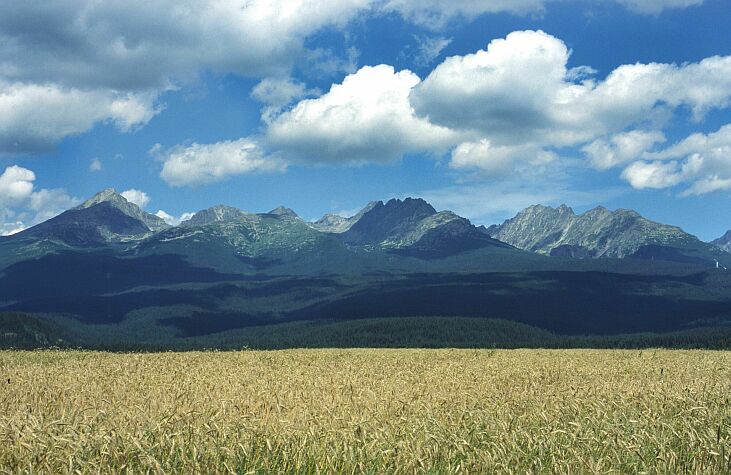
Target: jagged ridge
<point x="596" y="233"/>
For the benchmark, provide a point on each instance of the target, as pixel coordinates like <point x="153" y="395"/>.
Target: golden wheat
<point x="372" y="411"/>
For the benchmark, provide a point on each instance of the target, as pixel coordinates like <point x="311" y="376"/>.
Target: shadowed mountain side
<point x="562" y="302"/>
<point x="389" y="222"/>
<point x="74" y="274"/>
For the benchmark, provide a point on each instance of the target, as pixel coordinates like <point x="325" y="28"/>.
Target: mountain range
<point x="109" y="269"/>
<point x="599" y="233"/>
<point x="407" y="227"/>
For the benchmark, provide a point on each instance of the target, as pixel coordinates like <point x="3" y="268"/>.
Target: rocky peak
<point x="724" y="242"/>
<point x="410" y="208"/>
<point x="215" y="214"/>
<point x="387" y="222"/>
<point x="597" y="233"/>
<point x="111" y="198"/>
<point x="284" y="212"/>
<point x="335" y="223"/>
<point x="108" y="195"/>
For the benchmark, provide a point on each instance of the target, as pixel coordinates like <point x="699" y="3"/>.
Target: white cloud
<point x="16" y="185"/>
<point x="34" y="117"/>
<point x="703" y="161"/>
<point x="520" y="91"/>
<point x="141" y="45"/>
<point x="654" y="175"/>
<point x="504" y="91"/>
<point x="173" y="220"/>
<point x="8" y="229"/>
<point x="47" y="203"/>
<point x="277" y="93"/>
<point x="22" y="206"/>
<point x="365" y="118"/>
<point x="95" y="165"/>
<point x="621" y="148"/>
<point x="67" y="65"/>
<point x="199" y="164"/>
<point x="138" y="197"/>
<point x="499" y="160"/>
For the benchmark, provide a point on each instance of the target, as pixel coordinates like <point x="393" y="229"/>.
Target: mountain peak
<point x="409" y="207"/>
<point x="283" y="211"/>
<point x="598" y="232"/>
<point x="724" y="242"/>
<point x="388" y="221"/>
<point x="544" y="209"/>
<point x="215" y="214"/>
<point x="335" y="223"/>
<point x="116" y="200"/>
<point x="106" y="195"/>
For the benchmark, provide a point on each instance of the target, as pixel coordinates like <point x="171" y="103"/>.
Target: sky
<point x="482" y="107"/>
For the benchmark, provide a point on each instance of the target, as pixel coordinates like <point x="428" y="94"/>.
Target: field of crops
<point x="376" y="411"/>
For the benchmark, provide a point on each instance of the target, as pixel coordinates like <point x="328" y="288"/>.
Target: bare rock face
<point x="724" y="242"/>
<point x="115" y="200"/>
<point x="215" y="214"/>
<point x="106" y="217"/>
<point x="334" y="223"/>
<point x="596" y="233"/>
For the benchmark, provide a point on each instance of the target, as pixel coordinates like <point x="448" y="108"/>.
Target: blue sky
<point x="326" y="105"/>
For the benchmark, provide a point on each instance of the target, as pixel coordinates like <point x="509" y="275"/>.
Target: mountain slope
<point x="244" y="243"/>
<point x="414" y="228"/>
<point x="104" y="221"/>
<point x="215" y="214"/>
<point x="105" y="218"/>
<point x="334" y="223"/>
<point x="596" y="233"/>
<point x="114" y="199"/>
<point x="724" y="242"/>
<point x="284" y="212"/>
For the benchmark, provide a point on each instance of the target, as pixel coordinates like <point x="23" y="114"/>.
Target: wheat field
<point x="366" y="411"/>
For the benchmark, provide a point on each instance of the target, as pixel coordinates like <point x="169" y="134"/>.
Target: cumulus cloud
<point x="65" y="66"/>
<point x="367" y="117"/>
<point x="703" y="161"/>
<point x="199" y="164"/>
<point x="652" y="175"/>
<point x="140" y="45"/>
<point x="16" y="184"/>
<point x="495" y="161"/>
<point x="47" y="203"/>
<point x="277" y="93"/>
<point x="519" y="90"/>
<point x="138" y="197"/>
<point x="22" y="206"/>
<point x="34" y="117"/>
<point x="173" y="220"/>
<point x="621" y="148"/>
